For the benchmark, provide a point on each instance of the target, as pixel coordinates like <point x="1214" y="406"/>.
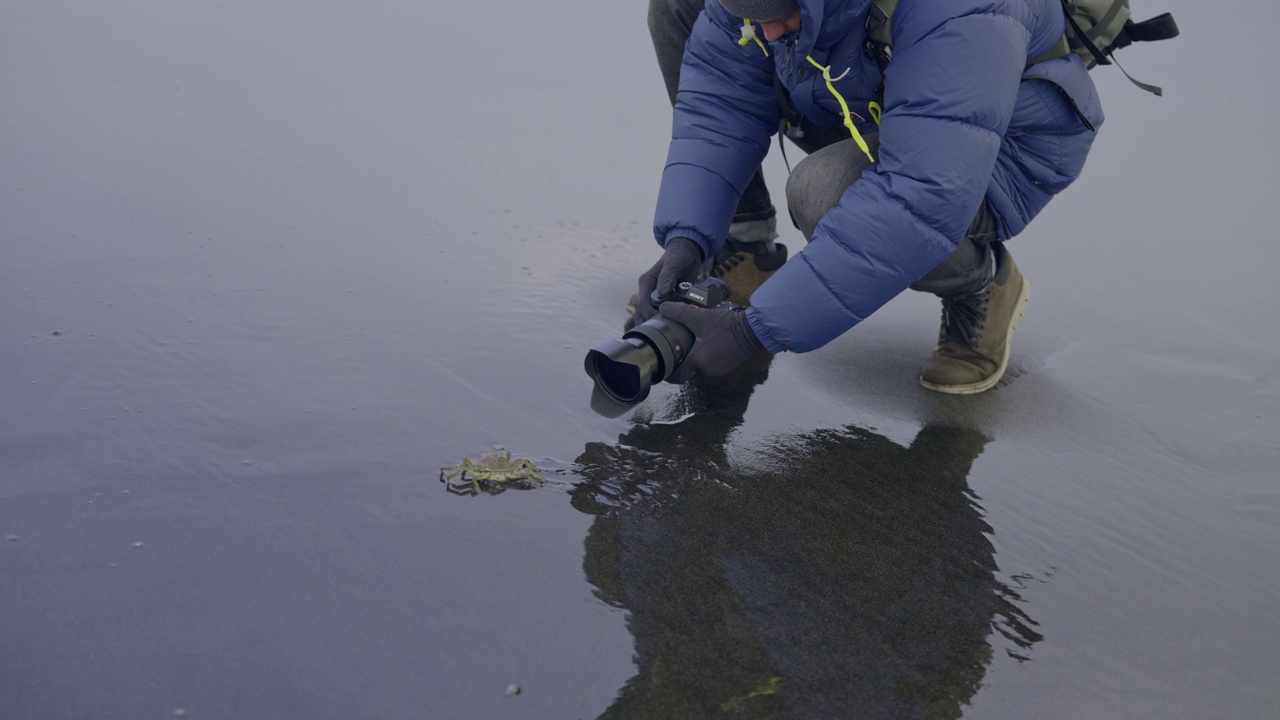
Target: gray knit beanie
<point x="765" y="10"/>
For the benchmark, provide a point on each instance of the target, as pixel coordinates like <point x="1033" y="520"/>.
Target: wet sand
<point x="266" y="268"/>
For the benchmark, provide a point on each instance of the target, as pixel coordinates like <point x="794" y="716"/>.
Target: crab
<point x="494" y="467"/>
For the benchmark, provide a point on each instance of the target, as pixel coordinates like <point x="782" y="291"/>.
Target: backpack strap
<point x="1161" y="27"/>
<point x="1081" y="41"/>
<point x="880" y="22"/>
<point x="1062" y="48"/>
<point x="789" y="123"/>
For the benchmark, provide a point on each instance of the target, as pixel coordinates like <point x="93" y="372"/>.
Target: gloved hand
<point x="680" y="262"/>
<point x="722" y="339"/>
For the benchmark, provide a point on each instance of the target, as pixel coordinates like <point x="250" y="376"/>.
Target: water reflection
<point x="840" y="575"/>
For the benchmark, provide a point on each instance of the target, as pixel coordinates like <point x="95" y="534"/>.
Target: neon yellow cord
<point x="875" y="111"/>
<point x="844" y="108"/>
<point x="749" y="34"/>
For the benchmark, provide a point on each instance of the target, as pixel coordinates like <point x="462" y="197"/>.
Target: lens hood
<point x="624" y="369"/>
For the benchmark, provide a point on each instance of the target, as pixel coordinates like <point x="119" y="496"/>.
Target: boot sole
<point x="983" y="385"/>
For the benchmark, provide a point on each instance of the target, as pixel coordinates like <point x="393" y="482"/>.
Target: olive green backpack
<point x="1095" y="29"/>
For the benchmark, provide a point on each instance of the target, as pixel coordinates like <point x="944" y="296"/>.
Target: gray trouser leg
<point x="670" y="24"/>
<point x="971" y="267"/>
<point x="819" y="181"/>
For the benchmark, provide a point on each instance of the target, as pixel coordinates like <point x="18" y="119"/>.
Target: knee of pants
<point x="806" y="199"/>
<point x="818" y="182"/>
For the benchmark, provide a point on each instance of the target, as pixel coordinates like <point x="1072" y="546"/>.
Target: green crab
<point x="494" y="468"/>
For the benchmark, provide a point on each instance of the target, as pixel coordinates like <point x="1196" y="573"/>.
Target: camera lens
<point x="624" y="369"/>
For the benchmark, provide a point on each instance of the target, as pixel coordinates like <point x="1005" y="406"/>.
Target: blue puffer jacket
<point x="964" y="119"/>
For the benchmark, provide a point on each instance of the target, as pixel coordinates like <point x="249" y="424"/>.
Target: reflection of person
<point x="949" y="149"/>
<point x="845" y="577"/>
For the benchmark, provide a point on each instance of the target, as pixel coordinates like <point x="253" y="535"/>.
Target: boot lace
<point x="732" y="255"/>
<point x="727" y="264"/>
<point x="964" y="318"/>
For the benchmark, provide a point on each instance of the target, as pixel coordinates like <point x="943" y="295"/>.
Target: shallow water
<point x="266" y="267"/>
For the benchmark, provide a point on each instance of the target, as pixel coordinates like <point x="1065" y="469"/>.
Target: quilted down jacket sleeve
<point x="726" y="111"/>
<point x="949" y="95"/>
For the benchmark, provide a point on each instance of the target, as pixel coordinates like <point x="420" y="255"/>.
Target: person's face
<point x="775" y="29"/>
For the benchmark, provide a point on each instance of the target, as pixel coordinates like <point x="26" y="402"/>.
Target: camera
<point x="624" y="368"/>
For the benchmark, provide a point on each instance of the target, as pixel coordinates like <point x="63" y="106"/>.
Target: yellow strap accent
<point x="749" y="34"/>
<point x="844" y="108"/>
<point x="874" y="110"/>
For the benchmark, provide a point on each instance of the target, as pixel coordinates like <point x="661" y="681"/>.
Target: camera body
<point x="707" y="293"/>
<point x="625" y="368"/>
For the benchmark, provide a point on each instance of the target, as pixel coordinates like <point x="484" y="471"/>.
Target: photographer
<point x="950" y="141"/>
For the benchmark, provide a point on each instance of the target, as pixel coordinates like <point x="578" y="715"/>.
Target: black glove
<point x="680" y="262"/>
<point x="723" y="339"/>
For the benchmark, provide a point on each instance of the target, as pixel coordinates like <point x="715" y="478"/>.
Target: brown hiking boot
<point x="973" y="344"/>
<point x="745" y="266"/>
